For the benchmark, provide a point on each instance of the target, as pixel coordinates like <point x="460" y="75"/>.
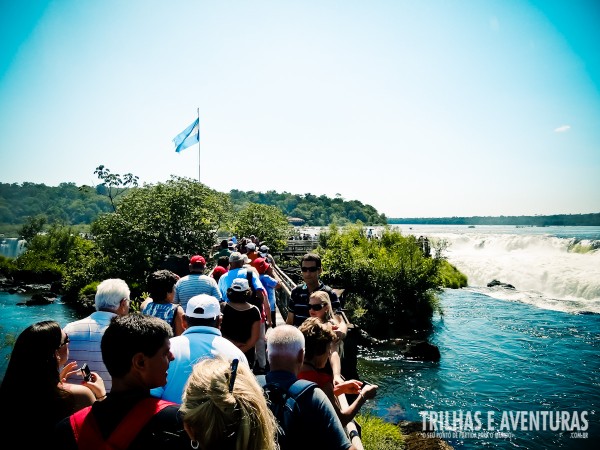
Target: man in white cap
<point x="263" y="251"/>
<point x="201" y="339"/>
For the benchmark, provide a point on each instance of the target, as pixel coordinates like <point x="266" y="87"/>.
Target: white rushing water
<point x="554" y="268"/>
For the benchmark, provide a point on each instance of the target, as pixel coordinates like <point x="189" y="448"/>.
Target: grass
<point x="378" y="434"/>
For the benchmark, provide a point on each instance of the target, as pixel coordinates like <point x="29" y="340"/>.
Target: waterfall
<point x="11" y="247"/>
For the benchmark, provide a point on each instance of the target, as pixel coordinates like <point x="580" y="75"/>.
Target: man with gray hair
<point x="285" y="350"/>
<point x="85" y="335"/>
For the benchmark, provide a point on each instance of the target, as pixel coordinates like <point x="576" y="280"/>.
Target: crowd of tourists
<point x="200" y="365"/>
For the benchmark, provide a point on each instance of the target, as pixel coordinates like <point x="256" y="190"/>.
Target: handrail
<point x="286" y="289"/>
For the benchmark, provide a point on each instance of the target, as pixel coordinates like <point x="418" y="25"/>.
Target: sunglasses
<point x="309" y="269"/>
<point x="317" y="307"/>
<point x="66" y="341"/>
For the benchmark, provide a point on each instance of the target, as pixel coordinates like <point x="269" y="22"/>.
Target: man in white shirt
<point x="201" y="339"/>
<point x="112" y="299"/>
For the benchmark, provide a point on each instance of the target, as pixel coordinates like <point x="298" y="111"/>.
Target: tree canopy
<point x="181" y="216"/>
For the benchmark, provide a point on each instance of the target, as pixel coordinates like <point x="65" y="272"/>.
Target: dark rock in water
<point x="422" y="350"/>
<point x="40" y="299"/>
<point x="494" y="283"/>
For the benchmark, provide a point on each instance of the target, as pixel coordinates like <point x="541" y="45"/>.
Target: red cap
<point x="261" y="265"/>
<point x="219" y="270"/>
<point x="197" y="259"/>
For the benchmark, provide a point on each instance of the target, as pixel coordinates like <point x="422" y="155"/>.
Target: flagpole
<point x="198" y="110"/>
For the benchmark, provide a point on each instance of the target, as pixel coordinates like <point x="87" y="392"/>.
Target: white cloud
<point x="562" y="129"/>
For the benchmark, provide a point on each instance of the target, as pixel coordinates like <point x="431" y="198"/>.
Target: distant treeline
<point x="538" y="221"/>
<point x="68" y="204"/>
<point x="313" y="210"/>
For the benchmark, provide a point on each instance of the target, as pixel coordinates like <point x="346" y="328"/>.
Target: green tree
<point x="180" y="216"/>
<point x="115" y="184"/>
<point x="266" y="222"/>
<point x="390" y="287"/>
<point x="32" y="226"/>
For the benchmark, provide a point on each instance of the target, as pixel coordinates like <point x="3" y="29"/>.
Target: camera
<point x="86" y="372"/>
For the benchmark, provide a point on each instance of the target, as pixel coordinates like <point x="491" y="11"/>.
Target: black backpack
<point x="284" y="406"/>
<point x="255" y="298"/>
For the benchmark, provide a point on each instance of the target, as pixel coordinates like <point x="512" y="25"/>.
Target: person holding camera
<point x="34" y="378"/>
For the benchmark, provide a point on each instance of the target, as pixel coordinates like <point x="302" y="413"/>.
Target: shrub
<point x="376" y="434"/>
<point x="390" y="286"/>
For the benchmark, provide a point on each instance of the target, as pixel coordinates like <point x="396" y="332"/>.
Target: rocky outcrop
<point x="495" y="283"/>
<point x="422" y="350"/>
<point x="415" y="438"/>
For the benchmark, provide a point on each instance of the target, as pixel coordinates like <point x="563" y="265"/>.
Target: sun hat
<point x="203" y="306"/>
<point x="251" y="246"/>
<point x="240" y="285"/>
<point x="236" y="256"/>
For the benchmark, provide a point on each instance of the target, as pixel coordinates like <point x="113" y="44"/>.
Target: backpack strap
<point x="87" y="432"/>
<point x="299" y="387"/>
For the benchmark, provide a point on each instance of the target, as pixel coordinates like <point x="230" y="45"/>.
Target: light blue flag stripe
<point x="189" y="136"/>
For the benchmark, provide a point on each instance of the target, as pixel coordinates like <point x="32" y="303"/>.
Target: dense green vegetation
<point x="537" y="221"/>
<point x="390" y="286"/>
<point x="151" y="223"/>
<point x="65" y="204"/>
<point x="315" y="211"/>
<point x="75" y="206"/>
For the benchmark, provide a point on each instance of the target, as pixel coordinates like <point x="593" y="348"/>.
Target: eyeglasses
<point x="234" y="366"/>
<point x="309" y="269"/>
<point x="316" y="307"/>
<point x="65" y="342"/>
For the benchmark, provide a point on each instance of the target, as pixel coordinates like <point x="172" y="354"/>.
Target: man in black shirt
<point x="298" y="310"/>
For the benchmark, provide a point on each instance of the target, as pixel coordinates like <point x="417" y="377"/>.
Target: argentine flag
<point x="189" y="136"/>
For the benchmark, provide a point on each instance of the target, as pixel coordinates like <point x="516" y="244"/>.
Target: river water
<point x="532" y="351"/>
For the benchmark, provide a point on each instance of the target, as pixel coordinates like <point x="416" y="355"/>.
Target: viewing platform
<point x="298" y="247"/>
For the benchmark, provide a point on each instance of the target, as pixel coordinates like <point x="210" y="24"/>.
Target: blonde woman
<point x="224" y="408"/>
<point x="319" y="306"/>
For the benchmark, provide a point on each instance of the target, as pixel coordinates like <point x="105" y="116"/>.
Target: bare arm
<point x="267" y="307"/>
<point x="290" y="318"/>
<point x="179" y="326"/>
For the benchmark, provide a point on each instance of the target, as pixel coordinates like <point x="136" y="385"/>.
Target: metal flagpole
<point x="198" y="110"/>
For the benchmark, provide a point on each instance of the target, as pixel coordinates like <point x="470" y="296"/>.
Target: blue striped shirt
<point x="195" y="284"/>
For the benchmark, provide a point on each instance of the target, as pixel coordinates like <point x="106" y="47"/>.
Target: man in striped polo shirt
<point x="195" y="283"/>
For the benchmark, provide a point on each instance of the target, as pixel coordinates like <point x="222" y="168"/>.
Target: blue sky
<point x="418" y="108"/>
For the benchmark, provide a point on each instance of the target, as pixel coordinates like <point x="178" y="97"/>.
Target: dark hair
<point x="311" y="257"/>
<point x="32" y="374"/>
<point x="197" y="322"/>
<point x="238" y="296"/>
<point x="317" y="336"/>
<point x="160" y="283"/>
<point x="224" y="243"/>
<point x="130" y="334"/>
<point x="223" y="261"/>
